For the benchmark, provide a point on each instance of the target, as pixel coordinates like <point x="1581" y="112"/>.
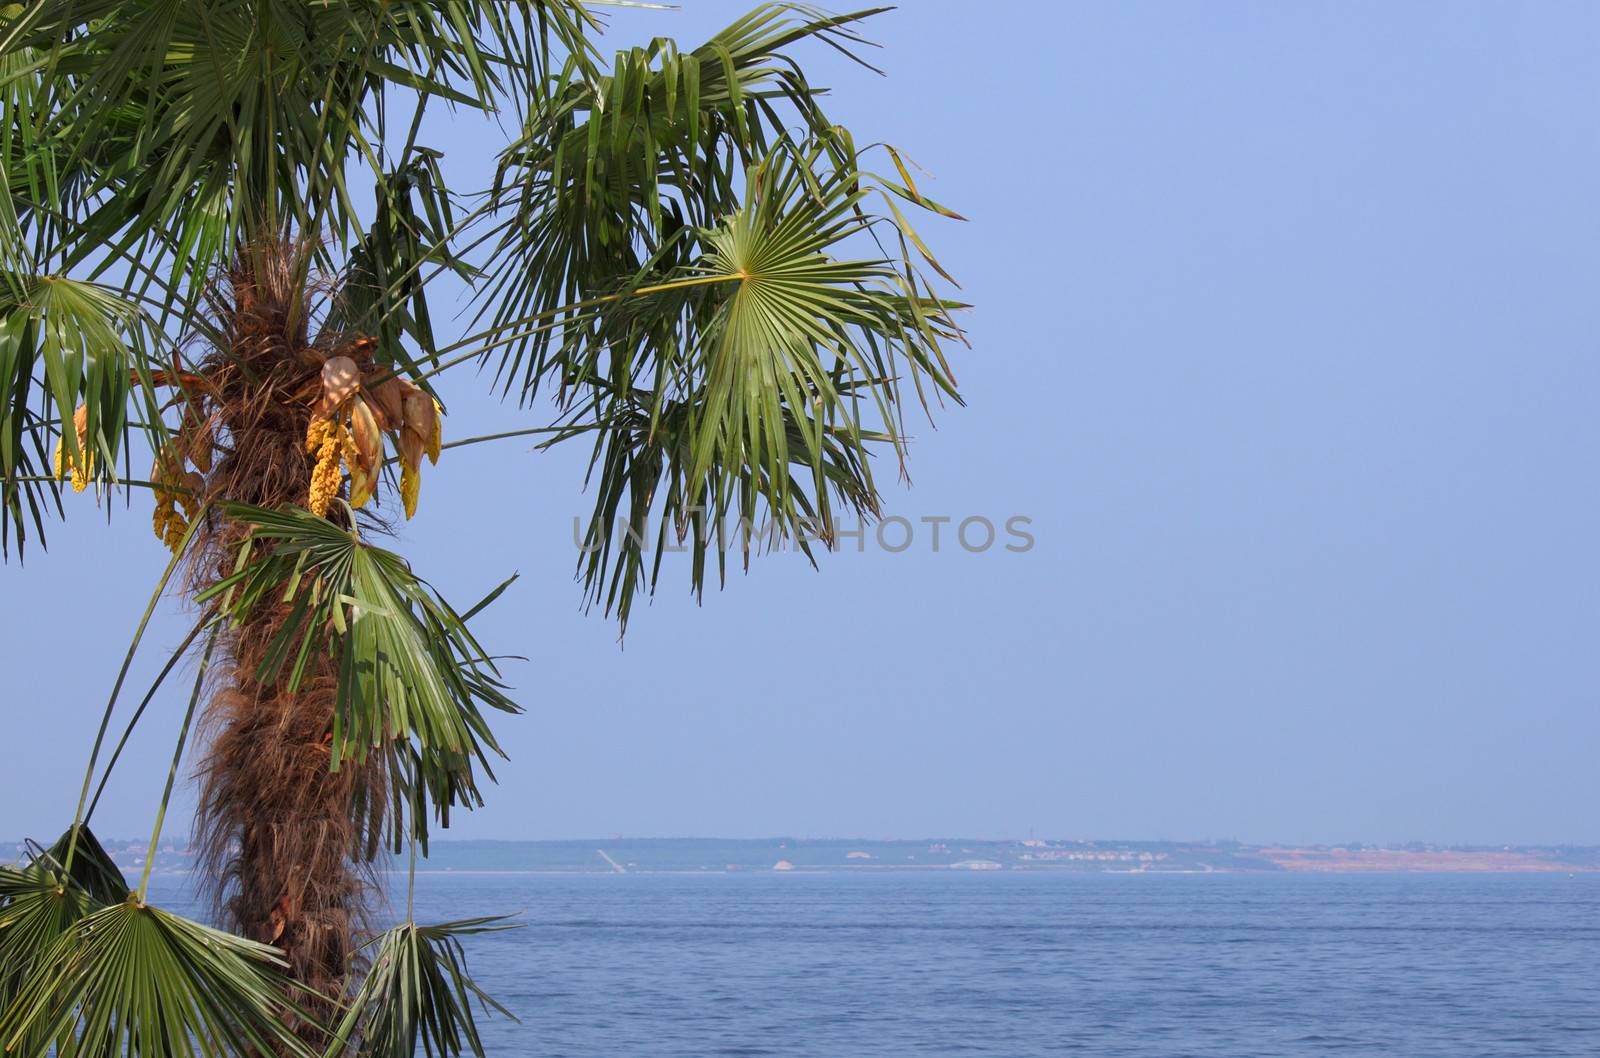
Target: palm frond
<point x="641" y="469"/>
<point x="612" y="173"/>
<point x="92" y="869"/>
<point x="40" y="186"/>
<point x="132" y="978"/>
<point x="385" y="290"/>
<point x="38" y="906"/>
<point x="756" y="383"/>
<point x="200" y="127"/>
<point x="41" y="899"/>
<point x="803" y="329"/>
<point x="727" y="305"/>
<point x="67" y="344"/>
<point x="418" y="991"/>
<point x="411" y="676"/>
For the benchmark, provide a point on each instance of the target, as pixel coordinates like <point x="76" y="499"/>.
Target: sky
<point x="1283" y="342"/>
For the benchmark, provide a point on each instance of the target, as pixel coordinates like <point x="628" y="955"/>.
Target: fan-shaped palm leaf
<point x="86" y="862"/>
<point x="611" y="173"/>
<point x="42" y="899"/>
<point x="201" y="126"/>
<point x="797" y="325"/>
<point x="418" y="991"/>
<point x="409" y="670"/>
<point x="132" y="978"/>
<point x="782" y="372"/>
<point x="38" y="906"/>
<point x="67" y="344"/>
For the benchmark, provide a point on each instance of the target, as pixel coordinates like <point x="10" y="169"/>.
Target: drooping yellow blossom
<point x="191" y="498"/>
<point x="174" y="489"/>
<point x="361" y="484"/>
<point x="80" y="474"/>
<point x="315" y="431"/>
<point x="350" y="419"/>
<point x="326" y="438"/>
<point x="169" y="524"/>
<point x="347" y="446"/>
<point x="410" y="485"/>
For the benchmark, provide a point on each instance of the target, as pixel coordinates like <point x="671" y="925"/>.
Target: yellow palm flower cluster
<point x="168" y="521"/>
<point x="64" y="461"/>
<point x="174" y="511"/>
<point x="410" y="487"/>
<point x="324" y="438"/>
<point x="178" y="493"/>
<point x="177" y="497"/>
<point x="422" y="431"/>
<point x="347" y="427"/>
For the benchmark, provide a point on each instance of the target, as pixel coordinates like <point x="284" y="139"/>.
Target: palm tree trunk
<point x="277" y="823"/>
<point x="287" y="841"/>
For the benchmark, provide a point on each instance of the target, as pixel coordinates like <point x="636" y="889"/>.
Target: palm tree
<point x="680" y="259"/>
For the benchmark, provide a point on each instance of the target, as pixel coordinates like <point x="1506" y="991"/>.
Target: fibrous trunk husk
<point x="286" y="851"/>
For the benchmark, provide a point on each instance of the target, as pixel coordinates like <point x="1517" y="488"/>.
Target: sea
<point x="1020" y="964"/>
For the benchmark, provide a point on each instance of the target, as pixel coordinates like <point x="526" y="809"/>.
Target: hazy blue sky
<point x="1285" y="339"/>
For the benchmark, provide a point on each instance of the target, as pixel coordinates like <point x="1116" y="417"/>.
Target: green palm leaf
<point x="91" y="867"/>
<point x="38" y="906"/>
<point x="612" y="173"/>
<point x="418" y="991"/>
<point x="132" y="978"/>
<point x="41" y="900"/>
<point x="775" y="373"/>
<point x="800" y="329"/>
<point x="641" y="469"/>
<point x="385" y="288"/>
<point x="201" y="126"/>
<point x="411" y="676"/>
<point x="64" y="343"/>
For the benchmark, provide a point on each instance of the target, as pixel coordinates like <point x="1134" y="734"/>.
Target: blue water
<point x="1018" y="964"/>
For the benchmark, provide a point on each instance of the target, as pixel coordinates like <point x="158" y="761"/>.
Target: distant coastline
<point x="786" y="855"/>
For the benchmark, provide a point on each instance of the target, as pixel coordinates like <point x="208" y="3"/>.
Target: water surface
<point x="1024" y="964"/>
